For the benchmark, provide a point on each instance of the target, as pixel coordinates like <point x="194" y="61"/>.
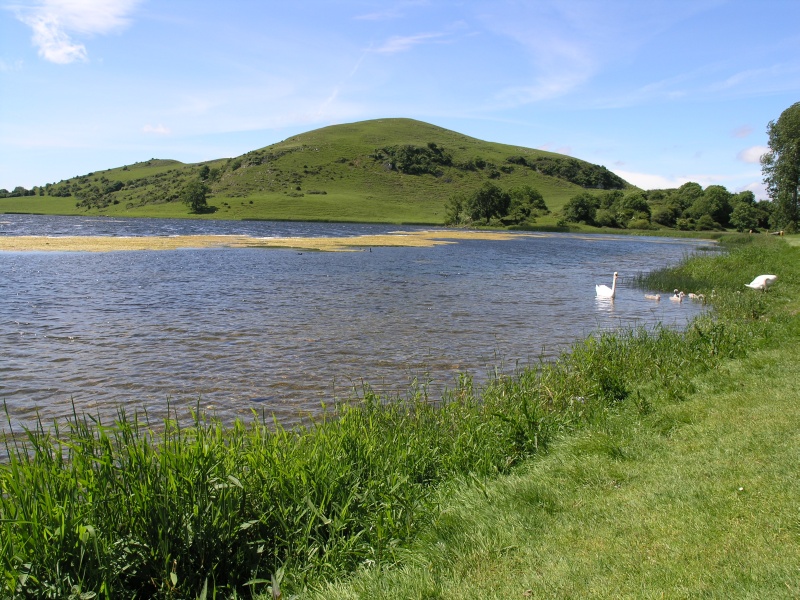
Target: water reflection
<point x="605" y="305"/>
<point x="283" y="331"/>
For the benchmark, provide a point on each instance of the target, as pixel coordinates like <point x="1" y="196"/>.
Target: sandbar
<point x="328" y="244"/>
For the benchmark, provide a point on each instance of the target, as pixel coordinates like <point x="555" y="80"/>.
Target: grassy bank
<point x="695" y="500"/>
<point x="122" y="511"/>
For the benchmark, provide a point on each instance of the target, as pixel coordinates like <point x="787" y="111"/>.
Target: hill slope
<point x="384" y="170"/>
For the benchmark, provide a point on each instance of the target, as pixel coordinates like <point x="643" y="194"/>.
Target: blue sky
<point x="660" y="92"/>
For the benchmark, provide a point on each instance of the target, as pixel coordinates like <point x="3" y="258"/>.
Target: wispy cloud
<point x="549" y="147"/>
<point x="157" y="129"/>
<point x="400" y="43"/>
<point x="55" y="22"/>
<point x="750" y="77"/>
<point x="752" y="155"/>
<point x="7" y="67"/>
<point x="391" y="13"/>
<point x="743" y="131"/>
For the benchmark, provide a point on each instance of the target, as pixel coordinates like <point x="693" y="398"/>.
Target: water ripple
<point x="281" y="331"/>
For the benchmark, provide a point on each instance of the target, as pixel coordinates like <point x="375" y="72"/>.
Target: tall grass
<point x="130" y="510"/>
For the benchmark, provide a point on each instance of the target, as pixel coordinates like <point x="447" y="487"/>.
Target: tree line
<point x="687" y="208"/>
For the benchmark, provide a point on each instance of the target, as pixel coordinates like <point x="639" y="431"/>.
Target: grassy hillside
<point x="385" y="170"/>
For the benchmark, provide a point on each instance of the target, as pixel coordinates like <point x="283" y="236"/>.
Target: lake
<point x="282" y="331"/>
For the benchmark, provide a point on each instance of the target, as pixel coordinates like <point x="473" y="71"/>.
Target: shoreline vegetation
<point x="641" y="463"/>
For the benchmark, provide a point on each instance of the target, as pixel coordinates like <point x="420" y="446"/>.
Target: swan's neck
<point x="614" y="285"/>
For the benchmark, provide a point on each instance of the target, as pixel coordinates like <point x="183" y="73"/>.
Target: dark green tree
<point x="781" y="167"/>
<point x="666" y="215"/>
<point x="454" y="209"/>
<point x="488" y="202"/>
<point x="194" y="196"/>
<point x="636" y="203"/>
<point x="581" y="208"/>
<point x="744" y="216"/>
<point x="605" y="217"/>
<point x="526" y="204"/>
<point x="687" y="194"/>
<point x="706" y="223"/>
<point x="715" y="202"/>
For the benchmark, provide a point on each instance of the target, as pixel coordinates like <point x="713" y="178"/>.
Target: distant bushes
<point x="689" y="207"/>
<point x="17" y="192"/>
<point x="415" y="160"/>
<point x="575" y="171"/>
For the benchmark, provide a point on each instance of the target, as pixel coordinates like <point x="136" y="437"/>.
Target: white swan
<point x="762" y="282"/>
<point x="603" y="291"/>
<point x="677" y="296"/>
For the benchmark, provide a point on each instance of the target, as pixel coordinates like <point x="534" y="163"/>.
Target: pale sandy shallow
<point x="330" y="244"/>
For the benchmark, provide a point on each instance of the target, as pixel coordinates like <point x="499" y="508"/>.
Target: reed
<point x="128" y="509"/>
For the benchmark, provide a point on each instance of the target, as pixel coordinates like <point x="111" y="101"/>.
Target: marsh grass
<point x="182" y="511"/>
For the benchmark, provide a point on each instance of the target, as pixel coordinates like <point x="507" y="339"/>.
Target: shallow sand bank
<point x="330" y="244"/>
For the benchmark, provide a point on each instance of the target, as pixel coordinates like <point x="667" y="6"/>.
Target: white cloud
<point x="758" y="188"/>
<point x="649" y="181"/>
<point x="737" y="183"/>
<point x="158" y="129"/>
<point x="753" y="154"/>
<point x="54" y="22"/>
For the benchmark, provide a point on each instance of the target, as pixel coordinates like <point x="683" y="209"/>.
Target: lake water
<point x="283" y="331"/>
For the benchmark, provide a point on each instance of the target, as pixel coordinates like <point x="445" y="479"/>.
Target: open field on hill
<point x="386" y="170"/>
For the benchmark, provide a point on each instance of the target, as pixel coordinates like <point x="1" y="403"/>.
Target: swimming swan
<point x="677" y="296"/>
<point x="603" y="291"/>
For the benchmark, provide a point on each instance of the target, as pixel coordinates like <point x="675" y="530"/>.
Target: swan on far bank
<point x="762" y="282"/>
<point x="603" y="291"/>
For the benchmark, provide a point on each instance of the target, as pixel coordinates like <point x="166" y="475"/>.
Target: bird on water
<point x="603" y="291"/>
<point x="677" y="296"/>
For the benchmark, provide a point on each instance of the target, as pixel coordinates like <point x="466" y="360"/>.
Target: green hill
<point x="384" y="170"/>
